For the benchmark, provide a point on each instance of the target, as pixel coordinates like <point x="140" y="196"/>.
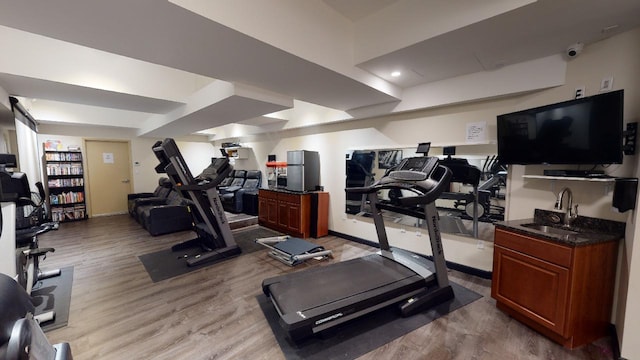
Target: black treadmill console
<point x="462" y="171"/>
<point x="217" y="171"/>
<point x="422" y="164"/>
<point x="423" y="148"/>
<point x="421" y="175"/>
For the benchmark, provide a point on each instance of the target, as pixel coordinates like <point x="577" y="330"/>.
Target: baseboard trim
<point x="615" y="342"/>
<point x="451" y="265"/>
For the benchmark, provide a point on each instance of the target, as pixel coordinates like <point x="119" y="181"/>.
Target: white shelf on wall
<point x="569" y="178"/>
<point x="606" y="182"/>
<point x="238" y="153"/>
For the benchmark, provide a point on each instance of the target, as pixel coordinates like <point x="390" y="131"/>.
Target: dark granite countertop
<point x="587" y="230"/>
<point x="285" y="191"/>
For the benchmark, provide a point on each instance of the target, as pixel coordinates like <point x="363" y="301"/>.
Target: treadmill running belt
<point x="327" y="284"/>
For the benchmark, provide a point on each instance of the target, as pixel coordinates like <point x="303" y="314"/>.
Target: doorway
<point x="109" y="176"/>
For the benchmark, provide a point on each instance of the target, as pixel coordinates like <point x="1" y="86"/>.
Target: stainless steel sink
<point x="550" y="229"/>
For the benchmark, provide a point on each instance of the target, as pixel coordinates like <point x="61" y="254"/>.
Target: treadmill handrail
<point x="197" y="187"/>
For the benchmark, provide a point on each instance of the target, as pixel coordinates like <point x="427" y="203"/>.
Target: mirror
<point x="475" y="200"/>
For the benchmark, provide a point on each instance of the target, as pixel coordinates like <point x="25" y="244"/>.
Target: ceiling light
<point x="396" y="73"/>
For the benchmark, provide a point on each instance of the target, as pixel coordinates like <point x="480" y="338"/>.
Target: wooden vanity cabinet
<point x="564" y="292"/>
<point x="295" y="214"/>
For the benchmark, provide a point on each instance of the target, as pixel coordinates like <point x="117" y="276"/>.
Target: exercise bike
<point x="23" y="217"/>
<point x="31" y="221"/>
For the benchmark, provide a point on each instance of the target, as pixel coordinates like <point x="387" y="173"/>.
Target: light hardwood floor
<point x="117" y="312"/>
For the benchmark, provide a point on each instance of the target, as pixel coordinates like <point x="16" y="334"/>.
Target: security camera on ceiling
<point x="574" y="50"/>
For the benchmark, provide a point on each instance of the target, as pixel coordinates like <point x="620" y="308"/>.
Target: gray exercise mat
<point x="54" y="294"/>
<point x="165" y="264"/>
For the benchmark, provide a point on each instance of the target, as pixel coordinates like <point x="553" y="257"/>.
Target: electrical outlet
<point x="580" y="92"/>
<point x="480" y="245"/>
<point x="418" y="233"/>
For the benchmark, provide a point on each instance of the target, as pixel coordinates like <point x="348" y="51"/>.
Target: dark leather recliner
<point x="227" y="181"/>
<point x="163" y="218"/>
<point x="239" y="177"/>
<point x="232" y="197"/>
<point x="161" y="212"/>
<point x="146" y="198"/>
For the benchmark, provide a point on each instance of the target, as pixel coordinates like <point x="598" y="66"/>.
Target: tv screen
<point x="580" y="131"/>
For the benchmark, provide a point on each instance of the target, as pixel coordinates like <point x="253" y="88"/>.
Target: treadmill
<point x="317" y="299"/>
<point x="214" y="235"/>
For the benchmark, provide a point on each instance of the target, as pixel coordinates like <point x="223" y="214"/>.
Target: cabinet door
<point x="293" y="211"/>
<point x="535" y="288"/>
<point x="268" y="208"/>
<point x="272" y="211"/>
<point x="262" y="209"/>
<point x="283" y="214"/>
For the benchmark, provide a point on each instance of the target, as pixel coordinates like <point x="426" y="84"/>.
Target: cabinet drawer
<point x="541" y="249"/>
<point x="290" y="198"/>
<point x="267" y="194"/>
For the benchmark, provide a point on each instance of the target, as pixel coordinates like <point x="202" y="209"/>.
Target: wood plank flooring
<point x="117" y="312"/>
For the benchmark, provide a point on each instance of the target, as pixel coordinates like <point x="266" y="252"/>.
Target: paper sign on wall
<point x="107" y="158"/>
<point x="476" y="132"/>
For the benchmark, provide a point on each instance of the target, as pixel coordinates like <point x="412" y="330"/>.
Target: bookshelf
<point x="65" y="185"/>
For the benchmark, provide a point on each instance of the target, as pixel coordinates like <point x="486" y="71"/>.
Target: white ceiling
<point x="176" y="67"/>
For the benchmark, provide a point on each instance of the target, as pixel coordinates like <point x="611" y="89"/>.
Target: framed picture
<point x="389" y="158"/>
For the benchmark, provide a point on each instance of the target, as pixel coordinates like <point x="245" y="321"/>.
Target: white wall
<point x="197" y="154"/>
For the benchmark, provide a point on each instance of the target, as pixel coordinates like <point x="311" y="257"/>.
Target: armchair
<point x="239" y="177"/>
<point x="232" y="197"/>
<point x="145" y="198"/>
<point x="163" y="218"/>
<point x="227" y="181"/>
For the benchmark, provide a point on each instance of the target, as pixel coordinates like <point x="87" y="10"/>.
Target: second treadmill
<point x="313" y="300"/>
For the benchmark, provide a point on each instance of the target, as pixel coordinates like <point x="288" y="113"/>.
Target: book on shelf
<point x="66" y="198"/>
<point x="61" y="156"/>
<point x="64" y="169"/>
<point x="58" y="183"/>
<point x="75" y="212"/>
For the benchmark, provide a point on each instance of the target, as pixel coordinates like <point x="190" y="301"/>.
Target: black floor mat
<point x="360" y="336"/>
<point x="165" y="264"/>
<point x="54" y="294"/>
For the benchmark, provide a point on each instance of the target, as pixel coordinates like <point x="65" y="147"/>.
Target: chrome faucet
<point x="571" y="213"/>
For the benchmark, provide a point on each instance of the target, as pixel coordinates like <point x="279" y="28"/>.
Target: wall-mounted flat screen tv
<point x="581" y="131"/>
